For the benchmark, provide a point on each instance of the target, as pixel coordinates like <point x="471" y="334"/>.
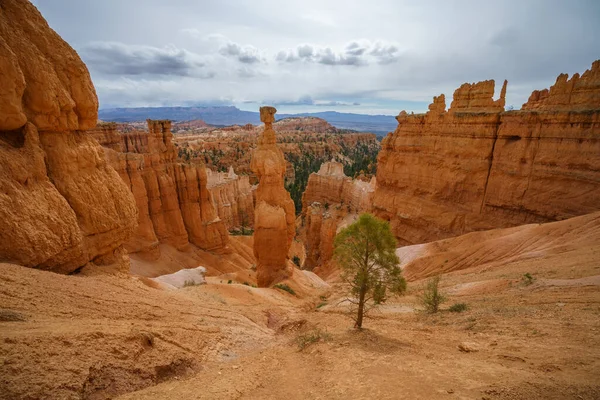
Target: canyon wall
<point x="61" y="204"/>
<point x="331" y="186"/>
<point x="274" y="216"/>
<point x="331" y="200"/>
<point x="232" y="198"/>
<point x="174" y="203"/>
<point x="476" y="167"/>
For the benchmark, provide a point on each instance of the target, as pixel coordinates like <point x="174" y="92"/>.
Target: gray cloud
<point x="244" y="54"/>
<point x="309" y="101"/>
<point x="302" y="101"/>
<point x="356" y="53"/>
<point x="114" y="58"/>
<point x="406" y="52"/>
<point x="336" y="104"/>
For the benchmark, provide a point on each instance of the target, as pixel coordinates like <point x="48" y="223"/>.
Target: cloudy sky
<point x="376" y="57"/>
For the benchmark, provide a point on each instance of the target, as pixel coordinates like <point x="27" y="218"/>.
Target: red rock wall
<point x="61" y="204"/>
<point x="330" y="200"/>
<point x="331" y="186"/>
<point x="232" y="198"/>
<point x="175" y="206"/>
<point x="475" y="167"/>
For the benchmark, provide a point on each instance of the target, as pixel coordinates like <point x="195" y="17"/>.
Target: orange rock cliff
<point x="175" y="206"/>
<point x="477" y="167"/>
<point x="61" y="204"/>
<point x="274" y="215"/>
<point x="232" y="198"/>
<point x="330" y="201"/>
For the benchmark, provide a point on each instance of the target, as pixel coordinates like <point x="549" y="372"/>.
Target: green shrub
<point x="296" y="260"/>
<point x="285" y="287"/>
<point x="321" y="305"/>
<point x="458" y="307"/>
<point x="316" y="335"/>
<point x="432" y="297"/>
<point x="190" y="282"/>
<point x="229" y="282"/>
<point x="528" y="279"/>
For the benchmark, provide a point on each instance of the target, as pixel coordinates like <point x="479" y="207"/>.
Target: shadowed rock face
<point x="476" y="167"/>
<point x="61" y="204"/>
<point x="274" y="218"/>
<point x="175" y="206"/>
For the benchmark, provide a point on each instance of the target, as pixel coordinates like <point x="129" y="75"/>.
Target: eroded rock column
<point x="274" y="214"/>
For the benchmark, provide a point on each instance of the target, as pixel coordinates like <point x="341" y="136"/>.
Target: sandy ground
<point x="98" y="337"/>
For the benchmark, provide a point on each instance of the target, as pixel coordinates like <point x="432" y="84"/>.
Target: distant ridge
<point x="230" y="115"/>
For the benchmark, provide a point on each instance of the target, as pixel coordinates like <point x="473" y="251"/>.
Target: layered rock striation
<point x="477" y="167"/>
<point x="274" y="215"/>
<point x="175" y="206"/>
<point x="232" y="198"/>
<point x="330" y="201"/>
<point x="61" y="204"/>
<point x="331" y="186"/>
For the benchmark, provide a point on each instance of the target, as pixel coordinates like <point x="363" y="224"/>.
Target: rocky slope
<point x="174" y="203"/>
<point x="274" y="218"/>
<point x="61" y="204"/>
<point x="477" y="167"/>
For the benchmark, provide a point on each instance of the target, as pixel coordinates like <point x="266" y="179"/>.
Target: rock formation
<point x="330" y="201"/>
<point x="274" y="218"/>
<point x="221" y="148"/>
<point x="331" y="186"/>
<point x="476" y="167"/>
<point x="175" y="206"/>
<point x="232" y="198"/>
<point x="61" y="204"/>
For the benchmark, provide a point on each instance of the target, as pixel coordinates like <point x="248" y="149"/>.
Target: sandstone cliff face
<point x="274" y="219"/>
<point x="61" y="204"/>
<point x="475" y="167"/>
<point x="331" y="186"/>
<point x="175" y="206"/>
<point x="330" y="201"/>
<point x="232" y="198"/>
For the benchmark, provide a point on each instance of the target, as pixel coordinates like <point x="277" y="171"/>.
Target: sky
<point x="372" y="57"/>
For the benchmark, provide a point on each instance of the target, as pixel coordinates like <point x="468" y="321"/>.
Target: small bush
<point x="189" y="283"/>
<point x="229" y="282"/>
<point x="528" y="279"/>
<point x="296" y="260"/>
<point x="285" y="287"/>
<point x="246" y="283"/>
<point x="321" y="305"/>
<point x="458" y="307"/>
<point x="314" y="336"/>
<point x="432" y="298"/>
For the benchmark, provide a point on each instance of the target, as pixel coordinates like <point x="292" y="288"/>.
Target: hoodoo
<point x="274" y="218"/>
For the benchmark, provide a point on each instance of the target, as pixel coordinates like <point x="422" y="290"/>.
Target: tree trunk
<point x="361" y="306"/>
